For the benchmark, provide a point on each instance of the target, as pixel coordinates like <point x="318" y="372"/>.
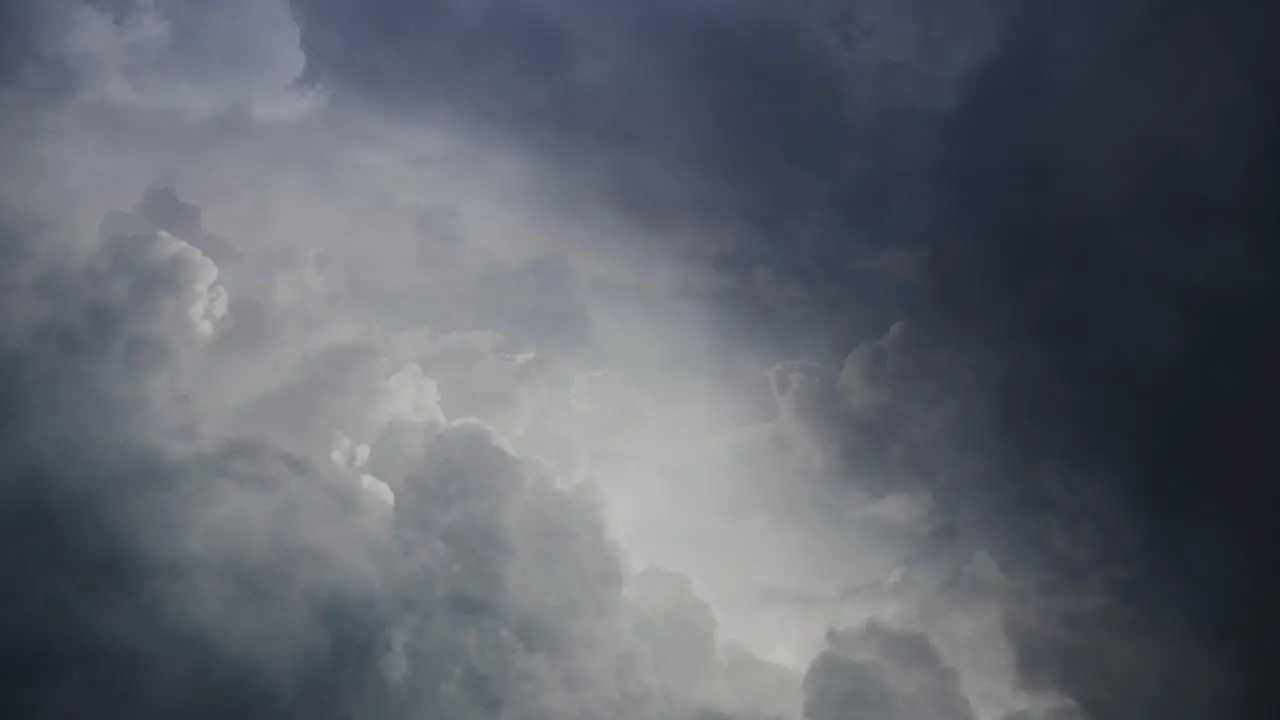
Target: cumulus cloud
<point x="191" y="58"/>
<point x="939" y="323"/>
<point x="159" y="570"/>
<point x="876" y="672"/>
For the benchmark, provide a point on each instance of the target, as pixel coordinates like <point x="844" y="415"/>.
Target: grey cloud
<point x="886" y="421"/>
<point x="20" y="29"/>
<point x="161" y="210"/>
<point x="899" y="418"/>
<point x="675" y="625"/>
<point x="879" y="673"/>
<point x="150" y="575"/>
<point x="157" y="570"/>
<point x="194" y="59"/>
<point x="732" y="95"/>
<point x="1069" y="712"/>
<point x="1097" y="200"/>
<point x="1093" y="296"/>
<point x="1081" y="385"/>
<point x="1085" y="347"/>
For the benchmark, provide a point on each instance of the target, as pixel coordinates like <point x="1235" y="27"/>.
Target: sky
<point x="638" y="359"/>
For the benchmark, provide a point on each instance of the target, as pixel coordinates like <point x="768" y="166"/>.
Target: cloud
<point x="1048" y="471"/>
<point x="189" y="58"/>
<point x="1105" y="378"/>
<point x="114" y="524"/>
<point x="358" y="574"/>
<point x="591" y="97"/>
<point x="266" y="583"/>
<point x="897" y="424"/>
<point x="162" y="211"/>
<point x="1084" y="298"/>
<point x="877" y="672"/>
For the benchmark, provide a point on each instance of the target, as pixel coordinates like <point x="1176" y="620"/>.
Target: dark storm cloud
<point x="806" y="132"/>
<point x="1079" y="236"/>
<point x="641" y="97"/>
<point x="1088" y="214"/>
<point x="101" y="499"/>
<point x="878" y="672"/>
<point x="17" y="39"/>
<point x="1108" y="255"/>
<point x="1111" y="243"/>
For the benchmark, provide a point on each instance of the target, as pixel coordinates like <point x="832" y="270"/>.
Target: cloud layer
<point x="540" y="359"/>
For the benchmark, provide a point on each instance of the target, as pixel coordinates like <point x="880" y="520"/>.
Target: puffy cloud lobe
<point x="969" y="611"/>
<point x="191" y="58"/>
<point x="508" y="543"/>
<point x="488" y="550"/>
<point x="676" y="627"/>
<point x="878" y="673"/>
<point x="886" y="423"/>
<point x="136" y="557"/>
<point x="887" y="440"/>
<point x="135" y="319"/>
<point x="1042" y="645"/>
<point x="411" y="396"/>
<point x="148" y="274"/>
<point x="505" y="390"/>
